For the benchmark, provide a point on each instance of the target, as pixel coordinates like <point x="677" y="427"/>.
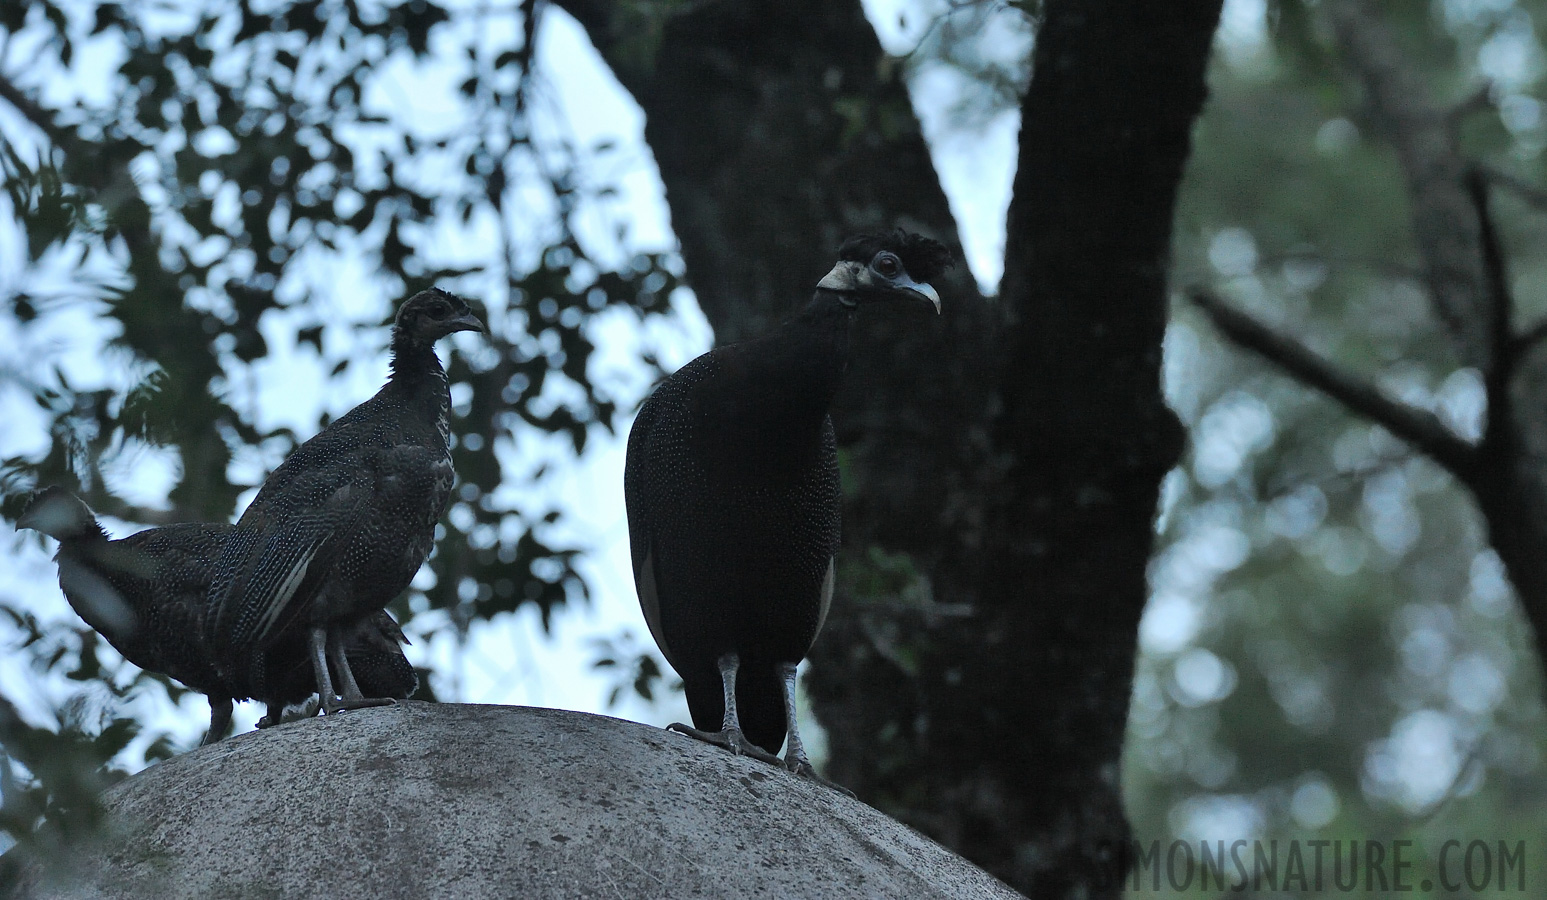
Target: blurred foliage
<point x="226" y="191"/>
<point x="1332" y="649"/>
<point x="631" y="667"/>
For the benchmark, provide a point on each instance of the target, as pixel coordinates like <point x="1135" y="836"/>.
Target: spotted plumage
<point x="147" y="595"/>
<point x="340" y="528"/>
<point x="733" y="497"/>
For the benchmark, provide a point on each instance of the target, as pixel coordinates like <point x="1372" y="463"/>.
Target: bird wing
<point x="273" y="564"/>
<point x="637" y="504"/>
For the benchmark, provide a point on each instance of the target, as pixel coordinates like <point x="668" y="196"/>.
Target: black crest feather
<point x="924" y="258"/>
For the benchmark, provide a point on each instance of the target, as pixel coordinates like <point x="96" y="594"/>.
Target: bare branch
<point x="1498" y="442"/>
<point x="1529" y="338"/>
<point x="1445" y="225"/>
<point x="1528" y="193"/>
<point x="1478" y="101"/>
<point x="1501" y="302"/>
<point x="1418" y="427"/>
<point x="1536" y="198"/>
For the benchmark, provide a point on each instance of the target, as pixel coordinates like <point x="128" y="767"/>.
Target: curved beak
<point x="468" y="322"/>
<point x="905" y="283"/>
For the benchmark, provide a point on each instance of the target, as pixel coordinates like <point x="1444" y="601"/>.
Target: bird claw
<point x="730" y="739"/>
<point x="801" y="766"/>
<point x="334" y="707"/>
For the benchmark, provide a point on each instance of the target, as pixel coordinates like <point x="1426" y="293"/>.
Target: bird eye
<point x="887" y="265"/>
<point x="440" y="309"/>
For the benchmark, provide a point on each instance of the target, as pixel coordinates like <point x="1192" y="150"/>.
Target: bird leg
<point x="729" y="736"/>
<point x="219" y="720"/>
<point x="318" y="638"/>
<point x="352" y="696"/>
<point x="340" y="661"/>
<point x="794" y="751"/>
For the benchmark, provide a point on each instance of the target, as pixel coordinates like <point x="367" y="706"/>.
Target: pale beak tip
<point x="928" y="293"/>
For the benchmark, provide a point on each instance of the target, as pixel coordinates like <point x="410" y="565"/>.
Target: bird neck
<point x="817" y="340"/>
<point x="414" y="364"/>
<point x="413" y="357"/>
<point x="418" y="378"/>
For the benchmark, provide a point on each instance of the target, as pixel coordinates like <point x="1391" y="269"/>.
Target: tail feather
<point x="61" y="515"/>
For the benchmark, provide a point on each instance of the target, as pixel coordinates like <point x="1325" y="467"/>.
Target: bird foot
<point x="731" y="739"/>
<point x="333" y="707"/>
<point x="287" y="714"/>
<point x="801" y="766"/>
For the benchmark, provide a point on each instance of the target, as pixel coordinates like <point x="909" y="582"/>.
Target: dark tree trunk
<point x="1106" y="130"/>
<point x="1022" y="484"/>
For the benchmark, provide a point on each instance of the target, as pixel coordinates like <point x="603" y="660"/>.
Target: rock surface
<point x="451" y="800"/>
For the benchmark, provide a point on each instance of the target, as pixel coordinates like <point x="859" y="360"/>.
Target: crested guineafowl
<point x="732" y="490"/>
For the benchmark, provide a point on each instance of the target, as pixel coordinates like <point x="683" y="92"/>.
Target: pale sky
<point x="508" y="660"/>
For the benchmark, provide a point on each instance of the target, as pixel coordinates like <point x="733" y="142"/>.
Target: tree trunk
<point x="1106" y="131"/>
<point x="1022" y="484"/>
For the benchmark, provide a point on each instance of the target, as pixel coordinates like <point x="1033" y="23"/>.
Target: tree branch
<point x="1529" y="338"/>
<point x="1528" y="193"/>
<point x="1536" y="198"/>
<point x="1497" y="437"/>
<point x="1418" y="427"/>
<point x="1445" y="226"/>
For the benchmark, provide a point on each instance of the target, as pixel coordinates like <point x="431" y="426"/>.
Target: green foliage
<point x="1332" y="650"/>
<point x="238" y="184"/>
<point x="632" y="667"/>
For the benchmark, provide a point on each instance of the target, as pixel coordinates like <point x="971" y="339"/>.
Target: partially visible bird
<point x="148" y="595"/>
<point x="340" y="528"/>
<point x="732" y="490"/>
<point x="374" y="648"/>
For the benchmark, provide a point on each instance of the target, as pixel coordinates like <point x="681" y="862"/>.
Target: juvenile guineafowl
<point x="340" y="528"/>
<point x="148" y="596"/>
<point x="732" y="490"/>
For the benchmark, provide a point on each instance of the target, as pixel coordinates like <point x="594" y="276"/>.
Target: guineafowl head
<point x="61" y="515"/>
<point x="430" y="315"/>
<point x="888" y="266"/>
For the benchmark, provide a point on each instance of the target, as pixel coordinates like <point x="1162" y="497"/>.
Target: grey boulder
<point x="426" y="800"/>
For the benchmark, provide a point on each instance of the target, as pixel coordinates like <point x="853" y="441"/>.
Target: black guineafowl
<point x="732" y="490"/>
<point x="340" y="528"/>
<point x="148" y="596"/>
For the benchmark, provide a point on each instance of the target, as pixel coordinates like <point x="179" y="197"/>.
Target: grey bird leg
<point x="729" y="736"/>
<point x="794" y="751"/>
<point x="219" y="720"/>
<point x="352" y="697"/>
<point x="319" y="645"/>
<point x="346" y="676"/>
